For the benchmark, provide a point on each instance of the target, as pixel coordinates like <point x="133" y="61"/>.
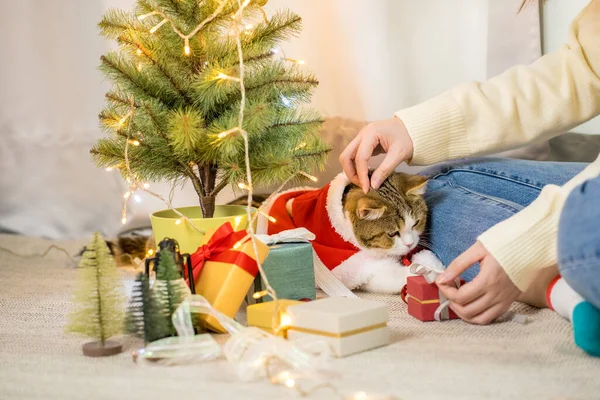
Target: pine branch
<point x="122" y="73"/>
<point x="296" y="123"/>
<point x="116" y="22"/>
<point x="159" y="67"/>
<point x="189" y="172"/>
<point x="317" y="153"/>
<point x="312" y="82"/>
<point x="219" y="187"/>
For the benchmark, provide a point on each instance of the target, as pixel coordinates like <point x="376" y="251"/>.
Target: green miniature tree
<point x="168" y="286"/>
<point x="145" y="318"/>
<point x="100" y="299"/>
<point x="185" y="96"/>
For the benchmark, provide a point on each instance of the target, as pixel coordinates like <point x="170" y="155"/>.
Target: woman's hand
<point x="389" y="136"/>
<point x="487" y="296"/>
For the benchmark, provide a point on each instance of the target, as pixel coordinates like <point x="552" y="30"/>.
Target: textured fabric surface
<point x="448" y="360"/>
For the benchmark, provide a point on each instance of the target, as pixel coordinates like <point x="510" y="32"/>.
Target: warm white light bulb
<point x="243" y="186"/>
<point x="301" y="62"/>
<point x="137" y="198"/>
<point x="146" y="185"/>
<point x="157" y="26"/>
<point x="360" y="396"/>
<point x="285" y="320"/>
<point x="260" y="294"/>
<point x="139" y="52"/>
<point x="123" y="220"/>
<point x="109" y="169"/>
<point x="249" y="27"/>
<point x="144" y="16"/>
<point x="222" y="76"/>
<point x="290" y="383"/>
<point x="126" y="195"/>
<point x="178" y="222"/>
<point x="186" y="48"/>
<point x="309" y="176"/>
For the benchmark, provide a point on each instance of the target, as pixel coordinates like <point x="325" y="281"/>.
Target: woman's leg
<point x="467" y="198"/>
<point x="579" y="241"/>
<point x="579" y="264"/>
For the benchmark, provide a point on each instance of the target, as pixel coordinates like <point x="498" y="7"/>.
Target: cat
<point x="380" y="226"/>
<point x="388" y="223"/>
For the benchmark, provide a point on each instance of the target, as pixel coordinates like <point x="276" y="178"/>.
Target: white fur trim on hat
<point x="335" y="210"/>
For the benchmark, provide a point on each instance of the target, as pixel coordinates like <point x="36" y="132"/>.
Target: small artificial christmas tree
<point x="100" y="298"/>
<point x="176" y="96"/>
<point x="145" y="318"/>
<point x="169" y="286"/>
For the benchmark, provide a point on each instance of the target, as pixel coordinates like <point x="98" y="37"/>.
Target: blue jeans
<point x="466" y="198"/>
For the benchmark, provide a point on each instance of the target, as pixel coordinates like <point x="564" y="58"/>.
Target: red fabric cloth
<point x="309" y="210"/>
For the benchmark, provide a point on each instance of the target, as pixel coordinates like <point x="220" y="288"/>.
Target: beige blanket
<point x="446" y="360"/>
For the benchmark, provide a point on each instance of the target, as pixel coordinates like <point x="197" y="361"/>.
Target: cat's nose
<point x="408" y="241"/>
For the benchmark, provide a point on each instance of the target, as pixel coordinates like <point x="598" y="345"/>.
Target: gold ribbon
<point x="432" y="301"/>
<point x="337" y="335"/>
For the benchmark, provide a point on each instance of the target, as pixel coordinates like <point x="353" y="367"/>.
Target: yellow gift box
<point x="224" y="268"/>
<point x="261" y="314"/>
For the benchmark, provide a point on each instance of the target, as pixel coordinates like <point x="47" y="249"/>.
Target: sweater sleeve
<point x="526" y="103"/>
<point x="527" y="241"/>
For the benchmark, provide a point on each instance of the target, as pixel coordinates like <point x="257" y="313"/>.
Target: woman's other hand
<point x="487" y="296"/>
<point x="388" y="136"/>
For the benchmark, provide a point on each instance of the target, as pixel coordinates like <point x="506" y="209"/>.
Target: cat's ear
<point x="369" y="209"/>
<point x="416" y="185"/>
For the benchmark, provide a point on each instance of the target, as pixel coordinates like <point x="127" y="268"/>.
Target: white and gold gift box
<point x="350" y="325"/>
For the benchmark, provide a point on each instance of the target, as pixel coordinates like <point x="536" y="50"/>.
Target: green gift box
<point x="290" y="271"/>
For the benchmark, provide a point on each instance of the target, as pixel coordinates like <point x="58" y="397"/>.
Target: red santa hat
<point x="321" y="212"/>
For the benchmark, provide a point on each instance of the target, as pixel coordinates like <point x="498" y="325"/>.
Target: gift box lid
<point x="338" y="314"/>
<point x="261" y="314"/>
<point x="418" y="288"/>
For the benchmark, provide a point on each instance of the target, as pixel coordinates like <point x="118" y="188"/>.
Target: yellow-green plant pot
<point x="166" y="223"/>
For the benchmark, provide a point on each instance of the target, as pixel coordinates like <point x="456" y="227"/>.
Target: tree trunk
<point x="208" y="177"/>
<point x="207" y="203"/>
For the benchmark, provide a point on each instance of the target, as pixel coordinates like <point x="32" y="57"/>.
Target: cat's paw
<point x="429" y="260"/>
<point x="389" y="277"/>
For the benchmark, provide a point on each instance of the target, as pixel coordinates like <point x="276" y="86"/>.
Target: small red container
<point x="423" y="299"/>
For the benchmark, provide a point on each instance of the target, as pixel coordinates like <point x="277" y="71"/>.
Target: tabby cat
<point x="390" y="219"/>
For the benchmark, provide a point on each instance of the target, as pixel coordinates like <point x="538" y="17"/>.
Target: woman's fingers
<point x="347" y="160"/>
<point x="361" y="161"/>
<point x="393" y="158"/>
<point x="490" y="315"/>
<point x="467" y="293"/>
<point x="473" y="308"/>
<point x="473" y="255"/>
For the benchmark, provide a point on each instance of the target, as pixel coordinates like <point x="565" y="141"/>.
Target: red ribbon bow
<point x="220" y="249"/>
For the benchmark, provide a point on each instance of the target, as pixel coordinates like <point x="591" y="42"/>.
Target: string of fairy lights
<point x="281" y="320"/>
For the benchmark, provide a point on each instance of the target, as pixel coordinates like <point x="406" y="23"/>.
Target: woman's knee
<point x="579" y="240"/>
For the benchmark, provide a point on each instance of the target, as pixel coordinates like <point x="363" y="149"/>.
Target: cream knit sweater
<point x="527" y="103"/>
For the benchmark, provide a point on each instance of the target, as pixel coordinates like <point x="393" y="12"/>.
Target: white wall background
<point x="371" y="56"/>
<point x="374" y="57"/>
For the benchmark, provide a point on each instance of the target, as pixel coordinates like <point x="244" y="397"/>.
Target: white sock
<point x="562" y="298"/>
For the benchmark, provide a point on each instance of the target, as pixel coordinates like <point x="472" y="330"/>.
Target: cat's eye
<point x="393" y="234"/>
<point x="417" y="222"/>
